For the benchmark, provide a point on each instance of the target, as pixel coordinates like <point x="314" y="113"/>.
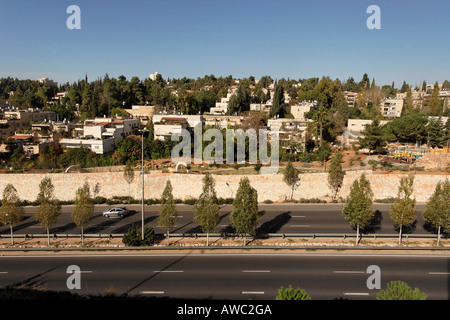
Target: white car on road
<point x="116" y="212"/>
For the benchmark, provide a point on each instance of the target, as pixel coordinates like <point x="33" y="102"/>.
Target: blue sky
<point x="192" y="38"/>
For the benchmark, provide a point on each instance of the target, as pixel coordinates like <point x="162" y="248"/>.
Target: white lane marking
<point x="256" y="271"/>
<point x="3" y="272"/>
<point x="356" y="294"/>
<point x="348" y="271"/>
<point x="167" y="271"/>
<point x="298" y="216"/>
<point x="152" y="292"/>
<point x="439" y="273"/>
<point x="252" y="292"/>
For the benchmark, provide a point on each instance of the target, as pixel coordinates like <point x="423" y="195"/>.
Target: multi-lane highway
<point x="229" y="276"/>
<point x="273" y="218"/>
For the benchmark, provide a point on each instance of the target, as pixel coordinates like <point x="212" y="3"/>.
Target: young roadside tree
<point x="168" y="216"/>
<point x="399" y="290"/>
<point x="49" y="208"/>
<point x="403" y="211"/>
<point x="336" y="174"/>
<point x="11" y="211"/>
<point x="206" y="209"/>
<point x="128" y="175"/>
<point x="358" y="209"/>
<point x="437" y="211"/>
<point x="84" y="208"/>
<point x="244" y="216"/>
<point x="290" y="176"/>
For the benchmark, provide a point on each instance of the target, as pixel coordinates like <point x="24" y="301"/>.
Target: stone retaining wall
<point x="186" y="186"/>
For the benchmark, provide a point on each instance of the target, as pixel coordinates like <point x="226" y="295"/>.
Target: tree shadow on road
<point x="374" y="225"/>
<point x="34" y="281"/>
<point x="125" y="228"/>
<point x="274" y="225"/>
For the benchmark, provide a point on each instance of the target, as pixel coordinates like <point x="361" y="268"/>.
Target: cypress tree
<point x="244" y="216"/>
<point x="49" y="207"/>
<point x="403" y="211"/>
<point x="336" y="174"/>
<point x="358" y="208"/>
<point x="206" y="209"/>
<point x="437" y="210"/>
<point x="11" y="212"/>
<point x="84" y="209"/>
<point x="168" y="216"/>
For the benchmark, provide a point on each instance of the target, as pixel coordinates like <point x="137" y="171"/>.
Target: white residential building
<point x="101" y="134"/>
<point x="222" y="106"/>
<point x="299" y="110"/>
<point x="354" y="129"/>
<point x="391" y="108"/>
<point x="167" y="126"/>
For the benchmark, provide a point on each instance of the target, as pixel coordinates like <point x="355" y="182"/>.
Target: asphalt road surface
<point x="273" y="218"/>
<point x="229" y="276"/>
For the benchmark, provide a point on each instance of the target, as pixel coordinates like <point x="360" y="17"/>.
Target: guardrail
<point x="229" y="235"/>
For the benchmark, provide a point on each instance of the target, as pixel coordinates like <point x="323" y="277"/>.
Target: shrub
<point x="292" y="294"/>
<point x="399" y="290"/>
<point x="225" y="200"/>
<point x="99" y="200"/>
<point x="190" y="201"/>
<point x="133" y="237"/>
<point x="312" y="200"/>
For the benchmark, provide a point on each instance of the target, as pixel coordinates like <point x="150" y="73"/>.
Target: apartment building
<point x="167" y="126"/>
<point x="299" y="110"/>
<point x="12" y="121"/>
<point x="101" y="134"/>
<point x="351" y="98"/>
<point x="290" y="132"/>
<point x="391" y="108"/>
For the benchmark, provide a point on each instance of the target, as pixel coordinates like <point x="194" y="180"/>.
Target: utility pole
<point x="142" y="209"/>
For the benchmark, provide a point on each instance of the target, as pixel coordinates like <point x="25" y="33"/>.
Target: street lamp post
<point x="142" y="209"/>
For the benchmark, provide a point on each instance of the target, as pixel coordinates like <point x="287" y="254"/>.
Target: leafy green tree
<point x="292" y="294"/>
<point x="336" y="174"/>
<point x="244" y="216"/>
<point x="372" y="137"/>
<point x="436" y="133"/>
<point x="409" y="128"/>
<point x="403" y="211"/>
<point x="84" y="208"/>
<point x="128" y="149"/>
<point x="240" y="101"/>
<point x="168" y="215"/>
<point x="49" y="207"/>
<point x="291" y="177"/>
<point x="358" y="207"/>
<point x="437" y="211"/>
<point x="399" y="290"/>
<point x="206" y="209"/>
<point x="11" y="211"/>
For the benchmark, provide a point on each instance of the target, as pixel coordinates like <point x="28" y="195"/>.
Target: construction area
<point x="422" y="156"/>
